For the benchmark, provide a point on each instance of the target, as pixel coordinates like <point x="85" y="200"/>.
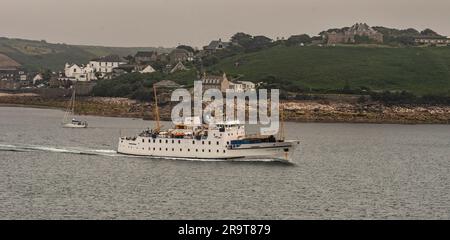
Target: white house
<point x="79" y="73"/>
<point x="246" y="85"/>
<point x="105" y="65"/>
<point x="178" y="67"/>
<point x="148" y="69"/>
<point x="241" y="86"/>
<point x="37" y="78"/>
<point x="236" y="86"/>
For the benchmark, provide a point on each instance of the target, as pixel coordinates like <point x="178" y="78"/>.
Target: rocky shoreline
<point x="298" y="111"/>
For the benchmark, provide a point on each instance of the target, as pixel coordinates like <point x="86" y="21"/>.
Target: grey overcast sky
<point x="195" y="22"/>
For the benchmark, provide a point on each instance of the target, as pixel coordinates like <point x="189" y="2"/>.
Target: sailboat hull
<point x="71" y="125"/>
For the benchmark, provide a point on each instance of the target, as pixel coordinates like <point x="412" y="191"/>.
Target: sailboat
<point x="69" y="120"/>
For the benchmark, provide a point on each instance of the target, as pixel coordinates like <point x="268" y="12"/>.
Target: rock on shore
<point x="302" y="111"/>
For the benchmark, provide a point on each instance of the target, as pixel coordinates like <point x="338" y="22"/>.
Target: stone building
<point x="215" y="82"/>
<point x="82" y="73"/>
<point x="12" y="75"/>
<point x="105" y="65"/>
<point x="348" y="35"/>
<point x="180" y="55"/>
<point x="215" y="46"/>
<point x="145" y="57"/>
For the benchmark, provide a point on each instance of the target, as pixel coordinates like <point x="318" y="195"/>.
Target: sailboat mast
<point x="156" y="109"/>
<point x="73" y="100"/>
<point x="282" y="122"/>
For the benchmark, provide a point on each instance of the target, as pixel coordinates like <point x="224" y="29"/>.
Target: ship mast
<point x="73" y="101"/>
<point x="281" y="123"/>
<point x="158" y="126"/>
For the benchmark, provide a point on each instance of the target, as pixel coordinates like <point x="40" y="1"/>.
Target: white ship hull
<point x="204" y="149"/>
<point x="72" y="125"/>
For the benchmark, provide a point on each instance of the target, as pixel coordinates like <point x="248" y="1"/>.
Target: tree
<point x="362" y="39"/>
<point x="250" y="43"/>
<point x="46" y="75"/>
<point x="347" y="88"/>
<point x="362" y="99"/>
<point x="241" y="38"/>
<point x="129" y="58"/>
<point x="98" y="75"/>
<point x="187" y="48"/>
<point x="259" y="42"/>
<point x="298" y="39"/>
<point x="210" y="60"/>
<point x="406" y="40"/>
<point x="429" y="32"/>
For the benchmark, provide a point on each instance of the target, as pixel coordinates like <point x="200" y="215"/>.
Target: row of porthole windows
<point x="196" y="150"/>
<point x="179" y="141"/>
<point x="173" y="149"/>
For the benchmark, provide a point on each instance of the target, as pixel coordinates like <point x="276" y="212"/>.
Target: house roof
<point x="246" y="82"/>
<point x="109" y="58"/>
<point x="166" y="83"/>
<point x="147" y="66"/>
<point x="178" y="66"/>
<point x="207" y="79"/>
<point x="215" y="44"/>
<point x="8" y="63"/>
<point x="125" y="66"/>
<point x="180" y="52"/>
<point x="145" y="54"/>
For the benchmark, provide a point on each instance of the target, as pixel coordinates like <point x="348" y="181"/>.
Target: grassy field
<point x="35" y="55"/>
<point x="418" y="70"/>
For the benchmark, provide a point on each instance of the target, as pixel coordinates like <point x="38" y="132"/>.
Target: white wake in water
<point x="113" y="153"/>
<point x="81" y="151"/>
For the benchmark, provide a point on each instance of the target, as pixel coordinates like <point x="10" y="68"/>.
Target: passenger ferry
<point x="194" y="140"/>
<point x="223" y="141"/>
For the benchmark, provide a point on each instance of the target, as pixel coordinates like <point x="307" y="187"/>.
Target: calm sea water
<point x="341" y="171"/>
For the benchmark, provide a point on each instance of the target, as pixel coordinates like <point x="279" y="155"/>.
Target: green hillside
<point x="35" y="55"/>
<point x="415" y="69"/>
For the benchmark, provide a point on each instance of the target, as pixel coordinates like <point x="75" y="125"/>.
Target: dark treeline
<point x="404" y="97"/>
